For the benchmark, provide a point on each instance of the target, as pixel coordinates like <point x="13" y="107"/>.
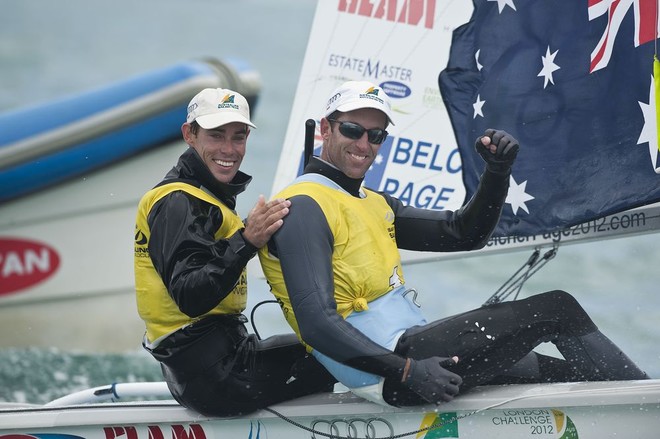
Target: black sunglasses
<point x="355" y="132"/>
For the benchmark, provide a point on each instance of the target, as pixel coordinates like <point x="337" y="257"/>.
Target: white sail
<point x="401" y="48"/>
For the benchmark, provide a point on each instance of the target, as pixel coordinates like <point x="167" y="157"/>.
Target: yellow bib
<point x="155" y="306"/>
<point x="366" y="261"/>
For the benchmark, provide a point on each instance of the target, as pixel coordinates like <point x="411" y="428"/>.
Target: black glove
<point x="507" y="148"/>
<point x="429" y="380"/>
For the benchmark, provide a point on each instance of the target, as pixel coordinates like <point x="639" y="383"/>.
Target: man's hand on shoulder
<point x="264" y="219"/>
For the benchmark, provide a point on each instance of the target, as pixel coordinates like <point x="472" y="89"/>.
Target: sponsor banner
<point x="174" y="431"/>
<point x="512" y="423"/>
<point x="25" y="263"/>
<point x="401" y="46"/>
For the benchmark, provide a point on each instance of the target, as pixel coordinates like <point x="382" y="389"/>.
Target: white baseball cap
<point x="214" y="107"/>
<point x="353" y="95"/>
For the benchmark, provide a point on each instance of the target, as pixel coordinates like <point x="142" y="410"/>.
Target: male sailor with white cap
<point x="191" y="253"/>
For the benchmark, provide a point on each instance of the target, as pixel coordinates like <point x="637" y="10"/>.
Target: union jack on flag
<point x="573" y="82"/>
<point x="644" y="12"/>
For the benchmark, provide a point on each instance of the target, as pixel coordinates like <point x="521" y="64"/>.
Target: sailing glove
<point x="428" y="379"/>
<point x="501" y="161"/>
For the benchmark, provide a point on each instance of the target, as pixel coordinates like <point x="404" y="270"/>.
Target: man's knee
<point x="567" y="311"/>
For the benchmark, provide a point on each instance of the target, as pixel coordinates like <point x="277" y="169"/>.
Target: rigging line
<point x="530" y="272"/>
<point x="546" y="258"/>
<point x="520" y="285"/>
<point x="532" y="259"/>
<point x="500" y="296"/>
<point x="397" y="436"/>
<point x="496" y="297"/>
<point x="517" y="280"/>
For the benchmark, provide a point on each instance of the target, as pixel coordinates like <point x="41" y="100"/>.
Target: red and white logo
<point x="413" y="12"/>
<point x="25" y="263"/>
<point x="178" y="431"/>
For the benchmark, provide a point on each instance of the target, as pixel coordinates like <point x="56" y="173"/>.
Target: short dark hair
<point x="194" y="127"/>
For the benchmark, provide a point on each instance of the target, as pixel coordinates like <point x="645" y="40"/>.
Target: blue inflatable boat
<point x="44" y="145"/>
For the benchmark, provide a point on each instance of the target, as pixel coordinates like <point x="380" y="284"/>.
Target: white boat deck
<point x="593" y="409"/>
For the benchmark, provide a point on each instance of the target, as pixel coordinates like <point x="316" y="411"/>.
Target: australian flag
<point x="572" y="81"/>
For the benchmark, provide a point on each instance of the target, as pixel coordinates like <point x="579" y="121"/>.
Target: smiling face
<point x="222" y="149"/>
<point x="352" y="157"/>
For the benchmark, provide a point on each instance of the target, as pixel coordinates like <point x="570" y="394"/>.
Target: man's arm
<point x="304" y="246"/>
<point x="471" y="226"/>
<point x="198" y="271"/>
<point x="467" y="228"/>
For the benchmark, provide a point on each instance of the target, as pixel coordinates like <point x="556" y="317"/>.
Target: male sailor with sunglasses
<point x="335" y="269"/>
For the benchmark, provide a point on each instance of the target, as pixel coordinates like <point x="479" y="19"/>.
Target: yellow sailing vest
<point x="155" y="306"/>
<point x="365" y="261"/>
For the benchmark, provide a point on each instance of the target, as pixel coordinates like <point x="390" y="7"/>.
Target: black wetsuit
<point x="214" y="366"/>
<point x="490" y="341"/>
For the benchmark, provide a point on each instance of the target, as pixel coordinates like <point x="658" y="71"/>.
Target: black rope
<point x="254" y="327"/>
<point x="397" y="436"/>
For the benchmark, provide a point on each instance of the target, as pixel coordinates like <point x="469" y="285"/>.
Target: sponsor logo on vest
<point x="140" y="237"/>
<point x="25" y="263"/>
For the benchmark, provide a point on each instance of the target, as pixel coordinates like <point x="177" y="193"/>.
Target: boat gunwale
<point x="559" y="396"/>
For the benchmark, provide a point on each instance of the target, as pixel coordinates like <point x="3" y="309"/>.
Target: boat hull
<point x="566" y="410"/>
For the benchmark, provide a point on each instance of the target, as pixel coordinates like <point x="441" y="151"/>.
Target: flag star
<point x="476" y="59"/>
<point x="478" y="105"/>
<point x="650" y="130"/>
<point x="517" y="197"/>
<point x="502" y="3"/>
<point x="549" y="66"/>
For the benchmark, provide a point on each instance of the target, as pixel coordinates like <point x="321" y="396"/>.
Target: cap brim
<point x="211" y="121"/>
<point x="358" y="104"/>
